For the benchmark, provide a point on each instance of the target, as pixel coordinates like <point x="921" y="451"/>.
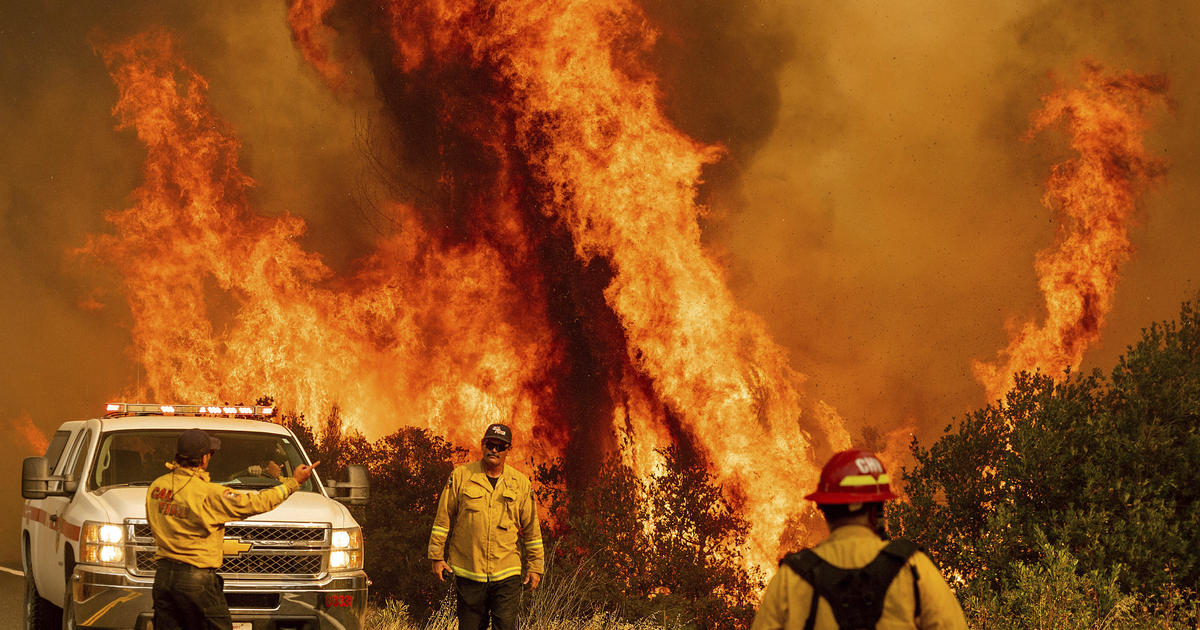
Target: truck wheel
<point x="40" y="614"/>
<point x="68" y="610"/>
<point x="68" y="613"/>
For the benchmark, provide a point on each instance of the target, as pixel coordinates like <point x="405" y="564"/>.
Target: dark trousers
<point x="189" y="598"/>
<point x="477" y="599"/>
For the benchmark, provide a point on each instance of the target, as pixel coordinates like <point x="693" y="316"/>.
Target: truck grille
<point x="312" y="532"/>
<point x="292" y="550"/>
<point x="251" y="563"/>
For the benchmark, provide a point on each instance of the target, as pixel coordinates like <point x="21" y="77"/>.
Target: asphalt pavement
<point x="12" y="595"/>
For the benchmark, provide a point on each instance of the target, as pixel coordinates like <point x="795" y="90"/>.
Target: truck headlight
<point x="103" y="543"/>
<point x="347" y="548"/>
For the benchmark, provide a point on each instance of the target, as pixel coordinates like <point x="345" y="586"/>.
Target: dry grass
<point x="558" y="605"/>
<point x="394" y="616"/>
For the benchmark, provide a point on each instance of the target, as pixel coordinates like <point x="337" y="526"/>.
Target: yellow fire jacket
<point x="786" y="601"/>
<point x="187" y="513"/>
<point x="484" y="524"/>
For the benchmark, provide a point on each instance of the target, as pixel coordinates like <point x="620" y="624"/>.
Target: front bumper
<point x="110" y="598"/>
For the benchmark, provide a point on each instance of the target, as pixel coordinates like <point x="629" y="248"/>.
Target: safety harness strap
<point x="855" y="595"/>
<point x="804" y="563"/>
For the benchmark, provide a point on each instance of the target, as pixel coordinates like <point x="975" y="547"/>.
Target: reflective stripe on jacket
<point x="187" y="513"/>
<point x="484" y="524"/>
<point x="786" y="601"/>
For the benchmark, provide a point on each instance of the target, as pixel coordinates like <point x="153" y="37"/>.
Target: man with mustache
<point x="485" y="509"/>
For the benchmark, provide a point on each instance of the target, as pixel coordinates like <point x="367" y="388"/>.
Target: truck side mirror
<point x="35" y="474"/>
<point x="355" y="489"/>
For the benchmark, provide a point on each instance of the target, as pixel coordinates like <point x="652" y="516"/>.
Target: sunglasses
<point x="494" y="445"/>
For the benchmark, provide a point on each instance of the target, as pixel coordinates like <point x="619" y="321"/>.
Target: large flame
<point x="423" y="333"/>
<point x="561" y="285"/>
<point x="1095" y="195"/>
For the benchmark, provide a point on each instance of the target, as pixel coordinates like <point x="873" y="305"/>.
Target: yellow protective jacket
<point x="786" y="602"/>
<point x="484" y="524"/>
<point x="187" y="513"/>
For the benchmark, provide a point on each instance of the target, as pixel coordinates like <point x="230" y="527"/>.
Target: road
<point x="12" y="595"/>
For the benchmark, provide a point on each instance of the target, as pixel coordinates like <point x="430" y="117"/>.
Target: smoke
<point x="876" y="205"/>
<point x="889" y="226"/>
<point x="65" y="325"/>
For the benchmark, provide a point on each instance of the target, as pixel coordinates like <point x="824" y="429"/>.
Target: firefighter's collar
<point x="479" y="475"/>
<point x="852" y="531"/>
<point x="188" y="470"/>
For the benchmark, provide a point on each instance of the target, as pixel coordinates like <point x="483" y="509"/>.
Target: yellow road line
<point x="100" y="613"/>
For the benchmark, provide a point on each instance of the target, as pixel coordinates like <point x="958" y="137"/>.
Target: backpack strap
<point x="901" y="549"/>
<point x="904" y="549"/>
<point x="856" y="596"/>
<point x="916" y="593"/>
<point x="804" y="563"/>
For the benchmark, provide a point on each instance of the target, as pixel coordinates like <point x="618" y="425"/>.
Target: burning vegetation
<point x="554" y="279"/>
<point x="1095" y="196"/>
<point x="544" y="265"/>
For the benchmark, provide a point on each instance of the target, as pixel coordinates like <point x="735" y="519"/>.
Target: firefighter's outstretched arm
<point x="228" y="504"/>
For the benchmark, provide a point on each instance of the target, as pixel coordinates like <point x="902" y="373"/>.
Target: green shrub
<point x="1084" y="489"/>
<point x="1051" y="595"/>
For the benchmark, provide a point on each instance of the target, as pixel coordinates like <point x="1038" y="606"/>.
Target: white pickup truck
<point x="87" y="549"/>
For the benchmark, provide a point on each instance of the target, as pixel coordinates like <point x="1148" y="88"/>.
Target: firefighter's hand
<point x="533" y="579"/>
<point x="440" y="569"/>
<point x="303" y="472"/>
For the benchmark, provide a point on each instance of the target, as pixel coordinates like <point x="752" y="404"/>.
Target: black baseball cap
<point x="195" y="443"/>
<point x="498" y="432"/>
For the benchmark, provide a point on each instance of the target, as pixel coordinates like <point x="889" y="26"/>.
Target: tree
<point x="408" y="471"/>
<point x="666" y="545"/>
<point x="596" y="537"/>
<point x="1103" y="468"/>
<point x="696" y="542"/>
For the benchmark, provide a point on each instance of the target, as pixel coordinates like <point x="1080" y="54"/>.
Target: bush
<point x="1052" y="594"/>
<point x="1095" y="477"/>
<point x="668" y="547"/>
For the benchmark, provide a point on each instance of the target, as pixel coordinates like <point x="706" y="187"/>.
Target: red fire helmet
<point x="852" y="476"/>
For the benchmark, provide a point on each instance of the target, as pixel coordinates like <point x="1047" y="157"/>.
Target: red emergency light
<point x="156" y="409"/>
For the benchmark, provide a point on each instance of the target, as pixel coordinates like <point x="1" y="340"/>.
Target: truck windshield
<point x="246" y="460"/>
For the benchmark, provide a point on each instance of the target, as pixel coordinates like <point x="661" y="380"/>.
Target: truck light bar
<point x="154" y="409"/>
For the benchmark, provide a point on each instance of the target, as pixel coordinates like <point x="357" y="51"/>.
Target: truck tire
<point x="68" y="613"/>
<point x="68" y="609"/>
<point x="40" y="614"/>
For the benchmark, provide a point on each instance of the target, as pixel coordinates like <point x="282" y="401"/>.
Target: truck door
<point x="49" y="542"/>
<point x="35" y="520"/>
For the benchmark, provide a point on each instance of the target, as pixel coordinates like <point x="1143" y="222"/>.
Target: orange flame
<point x="1095" y="195"/>
<point x="307" y="19"/>
<point x="451" y="328"/>
<point x="623" y="181"/>
<point x="421" y="334"/>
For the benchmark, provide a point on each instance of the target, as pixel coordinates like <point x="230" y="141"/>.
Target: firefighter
<point x="268" y="466"/>
<point x="187" y="515"/>
<point x="485" y="508"/>
<point x="854" y="578"/>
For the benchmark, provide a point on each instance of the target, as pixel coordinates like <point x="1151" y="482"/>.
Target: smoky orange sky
<point x="876" y="206"/>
